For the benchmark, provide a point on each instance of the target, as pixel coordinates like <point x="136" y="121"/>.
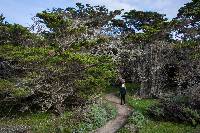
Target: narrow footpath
<point x="123" y="113"/>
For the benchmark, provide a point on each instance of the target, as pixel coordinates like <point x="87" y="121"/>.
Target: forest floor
<point x="123" y="112"/>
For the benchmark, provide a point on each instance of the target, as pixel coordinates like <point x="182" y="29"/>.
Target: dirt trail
<point x="114" y="125"/>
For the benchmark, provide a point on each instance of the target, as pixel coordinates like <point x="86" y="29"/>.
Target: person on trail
<point x="123" y="91"/>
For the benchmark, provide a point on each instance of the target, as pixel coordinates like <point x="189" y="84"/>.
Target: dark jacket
<point x="123" y="90"/>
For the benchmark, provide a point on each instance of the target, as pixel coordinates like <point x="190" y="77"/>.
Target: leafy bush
<point x="175" y="111"/>
<point x="96" y="116"/>
<point x="16" y="34"/>
<point x="110" y="109"/>
<point x="11" y="89"/>
<point x="135" y="122"/>
<point x="5" y="85"/>
<point x="137" y="119"/>
<point x="55" y="80"/>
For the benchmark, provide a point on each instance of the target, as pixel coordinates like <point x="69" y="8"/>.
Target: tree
<point x="137" y="20"/>
<point x="150" y="25"/>
<point x="71" y="25"/>
<point x="2" y="18"/>
<point x="15" y="34"/>
<point x="188" y="18"/>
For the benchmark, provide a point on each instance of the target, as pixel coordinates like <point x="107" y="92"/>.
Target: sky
<point x="21" y="11"/>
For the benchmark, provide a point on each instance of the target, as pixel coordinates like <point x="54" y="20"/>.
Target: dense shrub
<point x="52" y="81"/>
<point x="175" y="110"/>
<point x="137" y="119"/>
<point x="78" y="120"/>
<point x="96" y="116"/>
<point x="135" y="122"/>
<point x="17" y="35"/>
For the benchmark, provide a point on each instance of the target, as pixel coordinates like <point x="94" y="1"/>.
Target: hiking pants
<point x="122" y="99"/>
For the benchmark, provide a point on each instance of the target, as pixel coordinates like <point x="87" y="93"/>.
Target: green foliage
<point x="124" y="130"/>
<point x="139" y="19"/>
<point x="190" y="10"/>
<point x="66" y="32"/>
<point x="2" y="18"/>
<point x="82" y="58"/>
<point x="6" y="85"/>
<point x="187" y="44"/>
<point x="137" y="119"/>
<point x="65" y="71"/>
<point x="22" y="53"/>
<point x="195" y="55"/>
<point x="40" y="54"/>
<point x="88" y="43"/>
<point x="14" y="33"/>
<point x="95" y="16"/>
<point x="188" y="17"/>
<point x="90" y="86"/>
<point x="97" y="116"/>
<point x="85" y="74"/>
<point x="167" y="127"/>
<point x="137" y="38"/>
<point x="141" y="104"/>
<point x="132" y="88"/>
<point x="194" y="115"/>
<point x="176" y="111"/>
<point x="99" y="76"/>
<point x="155" y="126"/>
<point x="21" y="92"/>
<point x="54" y="21"/>
<point x="42" y="122"/>
<point x="144" y="27"/>
<point x="84" y="43"/>
<point x="48" y="71"/>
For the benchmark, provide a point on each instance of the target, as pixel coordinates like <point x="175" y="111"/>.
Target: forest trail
<point x="123" y="112"/>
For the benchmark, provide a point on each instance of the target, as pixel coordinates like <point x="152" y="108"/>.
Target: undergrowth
<point x="91" y="117"/>
<point x="140" y="122"/>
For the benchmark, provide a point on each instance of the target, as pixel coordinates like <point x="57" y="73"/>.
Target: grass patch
<point x="140" y="104"/>
<point x="167" y="127"/>
<point x="41" y="122"/>
<point x="144" y="124"/>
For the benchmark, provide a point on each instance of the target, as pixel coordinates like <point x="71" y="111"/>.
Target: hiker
<point x="122" y="91"/>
